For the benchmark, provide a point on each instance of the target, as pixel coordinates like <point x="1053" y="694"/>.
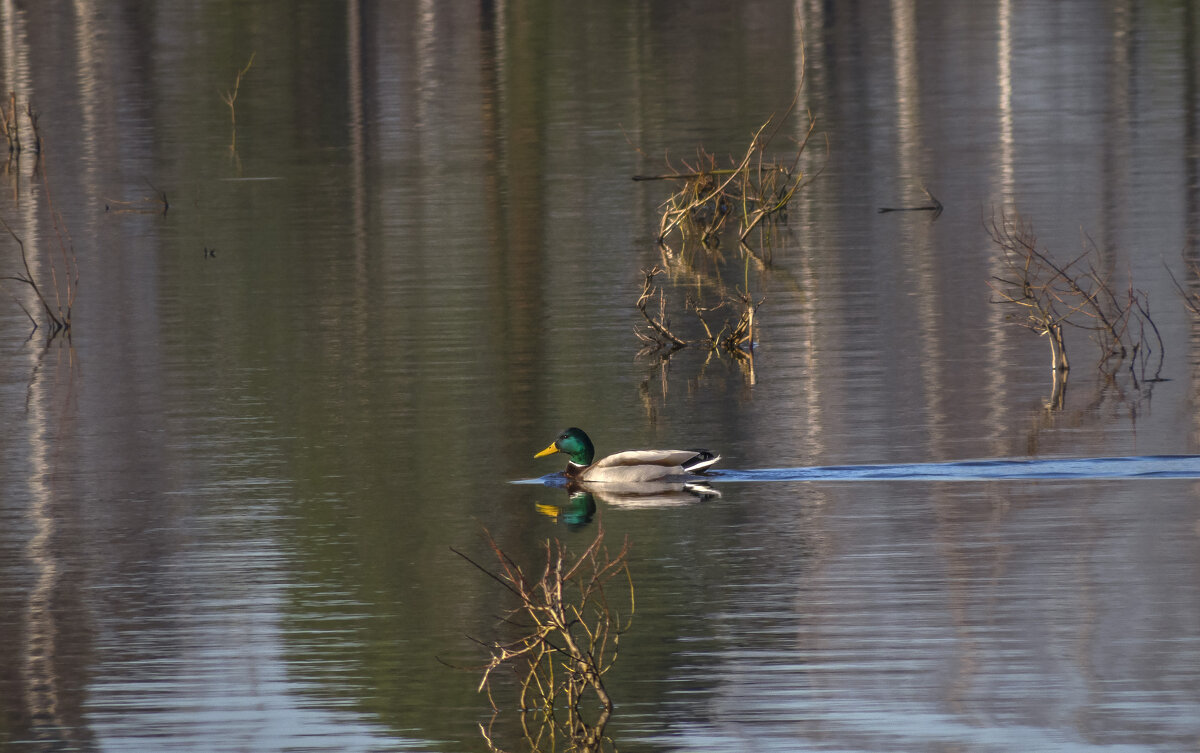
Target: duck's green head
<point x="572" y="442"/>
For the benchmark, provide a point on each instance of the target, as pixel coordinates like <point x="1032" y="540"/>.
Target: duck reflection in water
<point x="576" y="513"/>
<point x="581" y="499"/>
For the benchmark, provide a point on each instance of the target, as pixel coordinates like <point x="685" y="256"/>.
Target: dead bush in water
<point x="744" y="198"/>
<point x="735" y="336"/>
<point x="1055" y="295"/>
<point x="567" y="632"/>
<point x="753" y="190"/>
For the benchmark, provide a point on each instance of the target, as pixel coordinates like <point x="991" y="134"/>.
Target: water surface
<point x="228" y="500"/>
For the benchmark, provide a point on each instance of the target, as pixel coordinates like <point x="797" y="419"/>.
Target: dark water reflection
<point x="228" y="501"/>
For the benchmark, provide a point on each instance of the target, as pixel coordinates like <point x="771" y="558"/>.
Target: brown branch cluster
<point x="753" y="189"/>
<point x="735" y="336"/>
<point x="658" y="332"/>
<point x="1052" y="296"/>
<point x="746" y="198"/>
<point x="567" y="628"/>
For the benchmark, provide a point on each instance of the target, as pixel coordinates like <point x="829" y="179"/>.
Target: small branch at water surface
<point x="57" y="322"/>
<point x="935" y="206"/>
<point x="740" y="338"/>
<point x="660" y="334"/>
<point x="56" y="300"/>
<point x="155" y="204"/>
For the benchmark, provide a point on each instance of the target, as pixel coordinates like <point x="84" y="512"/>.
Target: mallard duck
<point x="633" y="466"/>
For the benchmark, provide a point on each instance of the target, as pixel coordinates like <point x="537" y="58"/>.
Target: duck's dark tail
<point x="701" y="462"/>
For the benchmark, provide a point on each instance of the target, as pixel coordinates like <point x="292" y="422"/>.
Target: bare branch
<point x="662" y="334"/>
<point x="1074" y="294"/>
<point x="570" y="626"/>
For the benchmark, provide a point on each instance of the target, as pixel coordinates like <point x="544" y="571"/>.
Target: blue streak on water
<point x="1145" y="466"/>
<point x="550" y="479"/>
<point x="1152" y="466"/>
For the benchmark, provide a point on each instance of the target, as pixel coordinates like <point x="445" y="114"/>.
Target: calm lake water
<point x="228" y="500"/>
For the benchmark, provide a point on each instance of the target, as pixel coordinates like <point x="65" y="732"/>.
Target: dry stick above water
<point x="230" y="98"/>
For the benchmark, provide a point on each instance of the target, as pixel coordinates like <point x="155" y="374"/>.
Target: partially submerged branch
<point x="744" y="198"/>
<point x="157" y="203"/>
<point x="1052" y="295"/>
<point x="754" y="188"/>
<point x="10" y="128"/>
<point x="57" y="298"/>
<point x="1027" y="286"/>
<point x="28" y="278"/>
<point x="934" y="205"/>
<point x="660" y="334"/>
<point x="734" y="337"/>
<point x="229" y="97"/>
<point x="567" y="630"/>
